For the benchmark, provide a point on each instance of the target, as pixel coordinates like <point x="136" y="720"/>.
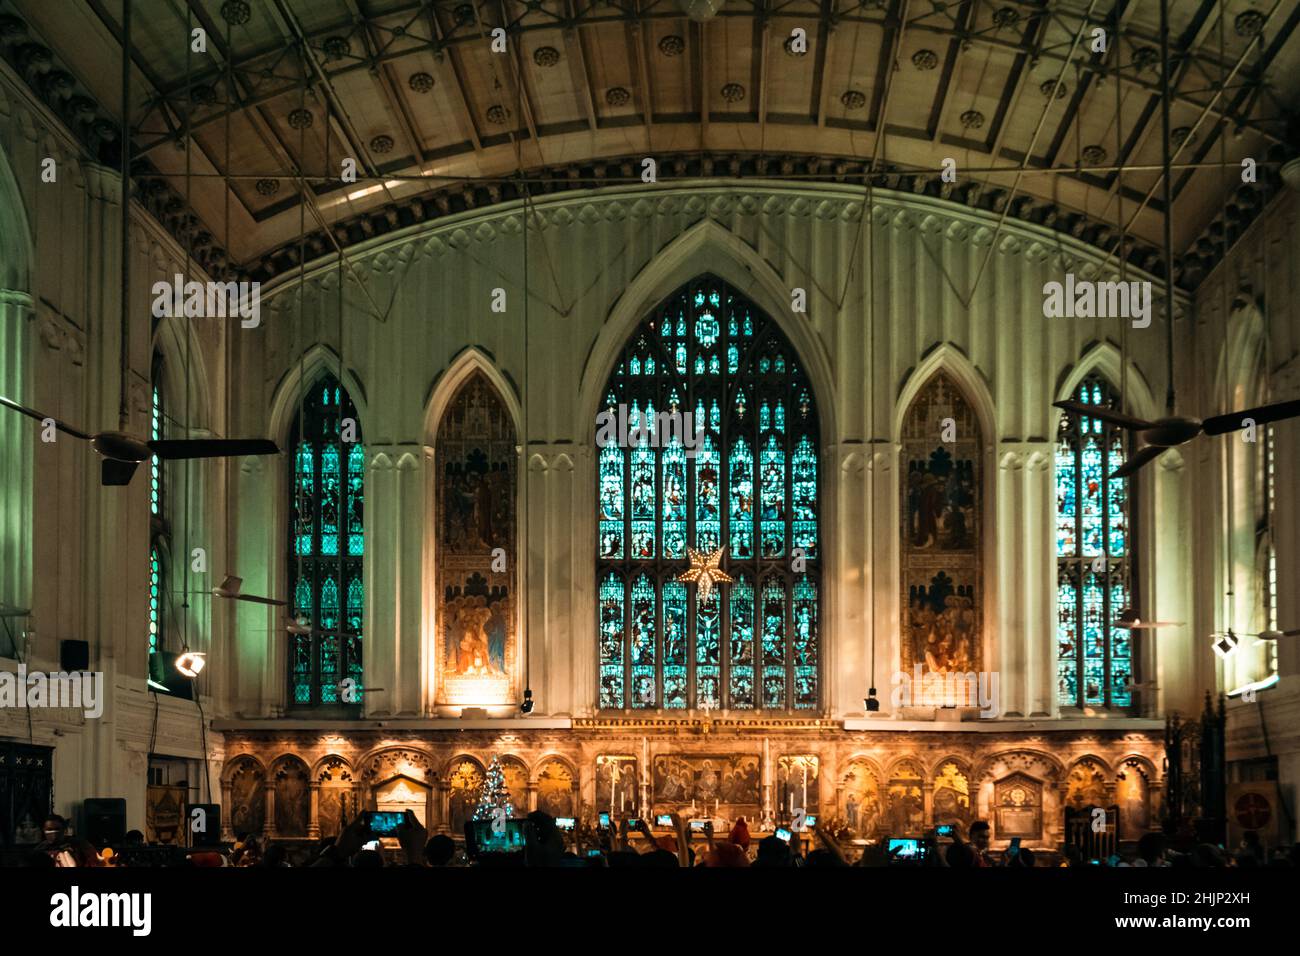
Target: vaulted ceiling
<point x="437" y="121"/>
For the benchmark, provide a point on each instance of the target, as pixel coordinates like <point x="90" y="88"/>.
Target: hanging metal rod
<point x="605" y="180"/>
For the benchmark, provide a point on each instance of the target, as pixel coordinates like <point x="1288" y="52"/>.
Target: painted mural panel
<point x="727" y="779"/>
<point x="476" y="459"/>
<point x="942" y="495"/>
<point x="616" y="784"/>
<point x="796" y="783"/>
<point x="951" y="796"/>
<point x="860" y="800"/>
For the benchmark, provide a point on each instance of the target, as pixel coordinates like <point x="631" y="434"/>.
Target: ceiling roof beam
<point x="291" y="29"/>
<point x="578" y="64"/>
<point x="828" y="17"/>
<point x="396" y="104"/>
<point x="636" y="40"/>
<point x="825" y="60"/>
<point x="438" y="46"/>
<point x="950" y="64"/>
<point x="521" y="88"/>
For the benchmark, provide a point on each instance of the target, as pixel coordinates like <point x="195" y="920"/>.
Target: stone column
<point x="268" y="824"/>
<point x="313" y="820"/>
<point x="407" y="595"/>
<point x="227" y="830"/>
<point x="16" y="437"/>
<point x="383" y="523"/>
<point x="1008" y="652"/>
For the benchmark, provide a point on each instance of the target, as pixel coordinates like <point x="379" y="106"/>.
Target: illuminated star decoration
<point x="705" y="572"/>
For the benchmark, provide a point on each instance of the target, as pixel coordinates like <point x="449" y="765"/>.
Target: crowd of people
<point x="632" y="842"/>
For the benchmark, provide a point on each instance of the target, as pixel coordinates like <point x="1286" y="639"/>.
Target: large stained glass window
<point x="326" y="548"/>
<point x="708" y="440"/>
<point x="1094" y="584"/>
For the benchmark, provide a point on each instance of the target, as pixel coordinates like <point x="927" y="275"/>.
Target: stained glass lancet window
<point x="1093" y="543"/>
<point x="708" y="439"/>
<point x="326" y="548"/>
<point x="159" y="530"/>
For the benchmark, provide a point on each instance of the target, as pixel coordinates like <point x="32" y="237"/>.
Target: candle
<point x="622" y="802"/>
<point x="613" y="773"/>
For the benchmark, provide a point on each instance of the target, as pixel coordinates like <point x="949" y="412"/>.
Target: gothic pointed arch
<point x="708" y="439"/>
<point x="1096" y="579"/>
<point x="941" y="544"/>
<point x="476" y="476"/>
<point x="326" y="548"/>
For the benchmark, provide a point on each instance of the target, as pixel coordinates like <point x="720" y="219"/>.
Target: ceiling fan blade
<point x="113" y="472"/>
<point x="1145" y="454"/>
<point x="255" y="599"/>
<point x="1235" y="421"/>
<point x="33" y="413"/>
<point x="1105" y="414"/>
<point x="172" y="449"/>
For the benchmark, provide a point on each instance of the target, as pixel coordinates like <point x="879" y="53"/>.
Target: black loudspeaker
<point x="204" y="823"/>
<point x="105" y="820"/>
<point x="74" y="655"/>
<point x="162" y="670"/>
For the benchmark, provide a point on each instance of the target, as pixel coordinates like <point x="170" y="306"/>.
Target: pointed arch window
<point x="708" y="439"/>
<point x="476" y="454"/>
<point x="326" y="548"/>
<point x="940" y="547"/>
<point x="1094" y="542"/>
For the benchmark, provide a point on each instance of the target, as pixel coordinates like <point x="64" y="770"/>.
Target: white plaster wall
<point x="597" y="262"/>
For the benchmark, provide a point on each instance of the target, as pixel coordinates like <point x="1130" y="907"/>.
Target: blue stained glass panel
<point x="675" y="643"/>
<point x="742" y="501"/>
<point x="326" y="545"/>
<point x="611" y="641"/>
<point x="708" y="652"/>
<point x="1094" y="657"/>
<point x="674" y="500"/>
<point x="772" y="524"/>
<point x="742" y="644"/>
<point x="641" y="645"/>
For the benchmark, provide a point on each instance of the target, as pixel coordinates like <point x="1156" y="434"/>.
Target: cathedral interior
<point x="869" y="409"/>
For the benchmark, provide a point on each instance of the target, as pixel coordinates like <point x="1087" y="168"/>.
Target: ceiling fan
<point x="232" y="587"/>
<point x="1129" y="620"/>
<point x="121" y="452"/>
<point x="1175" y="430"/>
<point x="1269" y="635"/>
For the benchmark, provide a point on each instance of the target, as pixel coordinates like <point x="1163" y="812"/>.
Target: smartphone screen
<point x="372" y="845"/>
<point x="698" y="824"/>
<point x="900" y="849"/>
<point x="944" y="831"/>
<point x="1014" y="848"/>
<point x="783" y="834"/>
<point x="565" y="823"/>
<point x="810" y="821"/>
<point x="604" y="820"/>
<point x="664" y="820"/>
<point x="384" y="823"/>
<point x="633" y="823"/>
<point x="593" y="853"/>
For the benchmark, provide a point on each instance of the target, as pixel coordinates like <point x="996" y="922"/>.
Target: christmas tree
<point x="494" y="793"/>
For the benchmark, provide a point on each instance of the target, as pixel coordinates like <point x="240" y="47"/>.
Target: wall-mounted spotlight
<point x="527" y="706"/>
<point x="191" y="663"/>
<point x="1225" y="644"/>
<point x="870" y="702"/>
